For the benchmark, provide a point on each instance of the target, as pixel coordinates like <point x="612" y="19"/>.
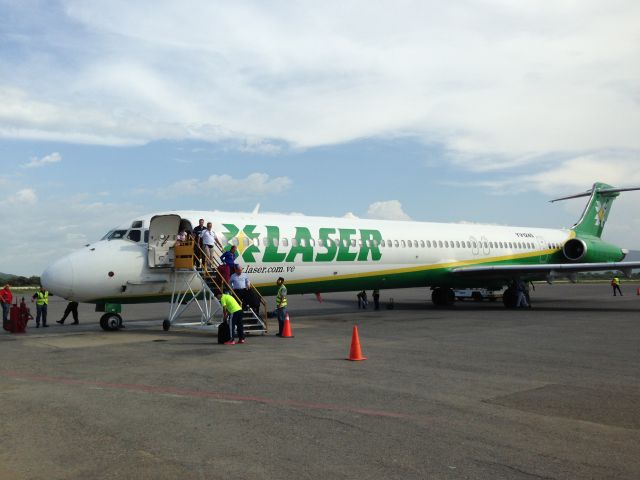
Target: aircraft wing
<point x="549" y="270"/>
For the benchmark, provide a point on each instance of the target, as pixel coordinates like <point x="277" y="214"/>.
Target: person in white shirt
<point x="209" y="239"/>
<point x="241" y="286"/>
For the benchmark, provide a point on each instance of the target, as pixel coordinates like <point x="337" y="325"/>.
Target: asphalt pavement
<point x="470" y="392"/>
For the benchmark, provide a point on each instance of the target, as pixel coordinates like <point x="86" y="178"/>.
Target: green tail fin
<point x="601" y="197"/>
<point x="597" y="210"/>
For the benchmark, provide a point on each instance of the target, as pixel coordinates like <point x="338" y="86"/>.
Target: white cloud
<point x="253" y="185"/>
<point x="54" y="157"/>
<point x="574" y="174"/>
<point x="497" y="83"/>
<point x="26" y="196"/>
<point x="71" y="223"/>
<point x="389" y="210"/>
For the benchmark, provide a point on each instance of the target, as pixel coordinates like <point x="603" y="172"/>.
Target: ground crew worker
<point x="6" y="298"/>
<point x="281" y="305"/>
<point x="231" y="307"/>
<point x="362" y="300"/>
<point x="521" y="290"/>
<point x="376" y="299"/>
<point x="72" y="308"/>
<point x="615" y="285"/>
<point x="42" y="302"/>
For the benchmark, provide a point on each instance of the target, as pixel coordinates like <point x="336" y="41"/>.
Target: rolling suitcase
<point x="224" y="332"/>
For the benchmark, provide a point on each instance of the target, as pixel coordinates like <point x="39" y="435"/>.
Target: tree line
<point x="19" y="281"/>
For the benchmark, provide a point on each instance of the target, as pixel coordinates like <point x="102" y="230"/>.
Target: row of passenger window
<point x="285" y="242"/>
<point x="136" y="235"/>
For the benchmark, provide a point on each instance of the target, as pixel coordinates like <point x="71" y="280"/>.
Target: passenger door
<point x="163" y="230"/>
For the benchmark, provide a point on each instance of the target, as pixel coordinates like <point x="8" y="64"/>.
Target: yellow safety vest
<point x="281" y="298"/>
<point x="42" y="298"/>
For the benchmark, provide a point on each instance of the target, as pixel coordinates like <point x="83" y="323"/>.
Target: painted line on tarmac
<point x="135" y="387"/>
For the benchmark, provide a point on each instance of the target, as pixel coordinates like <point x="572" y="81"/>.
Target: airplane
<point x="136" y="262"/>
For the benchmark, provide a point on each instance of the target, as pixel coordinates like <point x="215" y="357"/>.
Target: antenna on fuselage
<point x="256" y="210"/>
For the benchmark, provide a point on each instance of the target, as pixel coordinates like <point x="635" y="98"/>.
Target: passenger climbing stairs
<point x="197" y="282"/>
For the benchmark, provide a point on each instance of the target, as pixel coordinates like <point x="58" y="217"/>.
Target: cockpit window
<point x="134" y="235"/>
<point x="137" y="224"/>
<point x="117" y="234"/>
<point x="107" y="235"/>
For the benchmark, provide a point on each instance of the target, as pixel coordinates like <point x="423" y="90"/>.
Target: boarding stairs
<point x="189" y="269"/>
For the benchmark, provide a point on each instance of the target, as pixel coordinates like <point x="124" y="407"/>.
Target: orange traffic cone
<point x="355" y="354"/>
<point x="286" y="329"/>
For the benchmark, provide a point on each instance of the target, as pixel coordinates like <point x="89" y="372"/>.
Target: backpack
<point x="224" y="332"/>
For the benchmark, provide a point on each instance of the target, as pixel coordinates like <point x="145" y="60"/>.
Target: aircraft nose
<point x="58" y="278"/>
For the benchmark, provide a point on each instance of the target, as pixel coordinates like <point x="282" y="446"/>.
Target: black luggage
<point x="224" y="332"/>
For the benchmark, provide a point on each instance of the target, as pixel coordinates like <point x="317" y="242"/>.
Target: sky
<point x="462" y="111"/>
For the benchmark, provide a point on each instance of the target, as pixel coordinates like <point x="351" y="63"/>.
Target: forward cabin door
<point x="163" y="231"/>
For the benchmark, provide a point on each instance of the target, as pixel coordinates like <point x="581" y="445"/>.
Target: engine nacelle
<point x="591" y="249"/>
<point x="575" y="250"/>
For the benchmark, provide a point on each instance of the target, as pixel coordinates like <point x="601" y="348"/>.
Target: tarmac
<point x="469" y="392"/>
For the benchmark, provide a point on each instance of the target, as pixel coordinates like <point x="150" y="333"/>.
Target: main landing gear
<point x="443" y="297"/>
<point x="110" y="322"/>
<point x="510" y="297"/>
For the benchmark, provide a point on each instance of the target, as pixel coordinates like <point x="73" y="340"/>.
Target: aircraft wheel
<point x="449" y="296"/>
<point x="436" y="296"/>
<point x="510" y="298"/>
<point x="443" y="297"/>
<point x="166" y="325"/>
<point x="110" y="322"/>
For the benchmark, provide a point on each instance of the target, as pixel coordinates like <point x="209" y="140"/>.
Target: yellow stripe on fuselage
<point x="392" y="271"/>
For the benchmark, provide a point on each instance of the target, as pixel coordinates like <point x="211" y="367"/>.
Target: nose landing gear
<point x="110" y="322"/>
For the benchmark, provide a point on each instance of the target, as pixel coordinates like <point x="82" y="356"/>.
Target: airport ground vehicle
<point x="478" y="294"/>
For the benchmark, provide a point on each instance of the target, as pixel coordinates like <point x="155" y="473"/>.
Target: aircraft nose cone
<point x="58" y="278"/>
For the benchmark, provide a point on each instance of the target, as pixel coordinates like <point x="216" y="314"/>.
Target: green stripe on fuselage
<point x="426" y="275"/>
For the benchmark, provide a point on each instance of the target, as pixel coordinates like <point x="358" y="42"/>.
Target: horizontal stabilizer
<point x="588" y="193"/>
<point x="594" y="217"/>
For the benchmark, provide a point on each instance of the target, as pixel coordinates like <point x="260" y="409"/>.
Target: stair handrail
<point x="208" y="274"/>
<point x="261" y="299"/>
<point x="219" y="250"/>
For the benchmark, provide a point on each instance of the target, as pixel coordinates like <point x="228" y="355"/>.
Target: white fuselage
<point x="309" y="250"/>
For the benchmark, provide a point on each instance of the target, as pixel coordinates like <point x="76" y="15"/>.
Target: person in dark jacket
<point x="72" y="308"/>
<point x="376" y="299"/>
